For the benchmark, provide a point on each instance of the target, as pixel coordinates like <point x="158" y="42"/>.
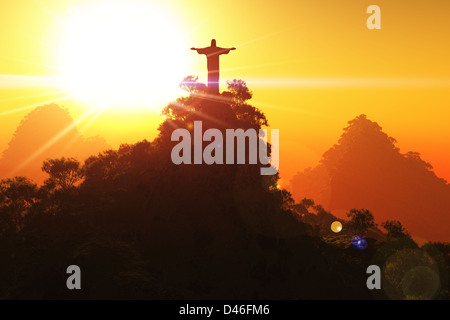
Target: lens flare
<point x="359" y="242"/>
<point x="336" y="227"/>
<point x="411" y="274"/>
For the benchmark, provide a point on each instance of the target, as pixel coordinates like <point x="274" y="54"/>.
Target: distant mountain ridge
<point x="365" y="169"/>
<point x="43" y="134"/>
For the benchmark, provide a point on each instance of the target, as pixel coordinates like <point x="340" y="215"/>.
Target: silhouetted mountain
<point x="46" y="132"/>
<point x="140" y="226"/>
<point x="365" y="169"/>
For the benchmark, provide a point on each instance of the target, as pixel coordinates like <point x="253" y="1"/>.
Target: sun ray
<point x="263" y="37"/>
<point x="30" y="62"/>
<point x="296" y="109"/>
<point x="223" y="70"/>
<point x="94" y="117"/>
<point x="259" y="65"/>
<point x="5" y="113"/>
<point x="45" y="94"/>
<point x="23" y="81"/>
<point x="82" y="129"/>
<point x="213" y="97"/>
<point x="350" y="82"/>
<point x="203" y="115"/>
<point x="170" y="121"/>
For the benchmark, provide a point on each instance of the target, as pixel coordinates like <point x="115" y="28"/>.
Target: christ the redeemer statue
<point x="212" y="55"/>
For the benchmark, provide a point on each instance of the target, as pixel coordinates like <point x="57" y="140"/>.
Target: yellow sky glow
<point x="312" y="65"/>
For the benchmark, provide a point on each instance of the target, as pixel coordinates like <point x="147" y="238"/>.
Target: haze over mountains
<point x="145" y="228"/>
<point x="365" y="169"/>
<point x="46" y="132"/>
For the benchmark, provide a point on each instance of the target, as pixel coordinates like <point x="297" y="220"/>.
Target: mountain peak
<point x="46" y="132"/>
<point x="365" y="169"/>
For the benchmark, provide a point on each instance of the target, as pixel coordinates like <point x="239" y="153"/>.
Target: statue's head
<point x="213" y="43"/>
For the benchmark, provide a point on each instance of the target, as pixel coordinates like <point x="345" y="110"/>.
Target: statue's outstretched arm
<point x="200" y="50"/>
<point x="226" y="50"/>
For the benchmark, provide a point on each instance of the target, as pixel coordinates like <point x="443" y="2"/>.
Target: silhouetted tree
<point x="38" y="128"/>
<point x="360" y="220"/>
<point x="17" y="196"/>
<point x="165" y="231"/>
<point x="307" y="202"/>
<point x="239" y="91"/>
<point x="192" y="85"/>
<point x="394" y="229"/>
<point x="64" y="173"/>
<point x="440" y="253"/>
<point x="239" y="94"/>
<point x="304" y="205"/>
<point x="366" y="169"/>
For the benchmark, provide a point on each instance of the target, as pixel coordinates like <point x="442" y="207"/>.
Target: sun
<point x="122" y="54"/>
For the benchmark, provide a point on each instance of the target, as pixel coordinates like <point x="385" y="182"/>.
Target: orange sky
<point x="312" y="65"/>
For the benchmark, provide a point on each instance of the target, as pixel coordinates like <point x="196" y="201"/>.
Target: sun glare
<point x="123" y="54"/>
